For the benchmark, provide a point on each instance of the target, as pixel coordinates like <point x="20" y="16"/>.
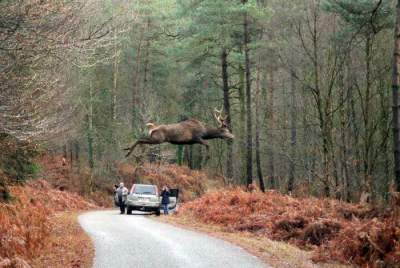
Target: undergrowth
<point x="25" y="222"/>
<point x="333" y="230"/>
<point x="191" y="183"/>
<point x="16" y="163"/>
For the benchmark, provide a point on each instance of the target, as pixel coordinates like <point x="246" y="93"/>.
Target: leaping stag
<point x="190" y="131"/>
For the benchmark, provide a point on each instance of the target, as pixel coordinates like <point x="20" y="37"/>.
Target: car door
<point x="173" y="198"/>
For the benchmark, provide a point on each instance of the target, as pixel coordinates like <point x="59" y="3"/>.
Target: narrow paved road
<point x="138" y="241"/>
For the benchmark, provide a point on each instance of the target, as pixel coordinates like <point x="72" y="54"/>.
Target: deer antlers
<point x="220" y="119"/>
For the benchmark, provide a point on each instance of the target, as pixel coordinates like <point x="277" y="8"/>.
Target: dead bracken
<point x="25" y="223"/>
<point x="190" y="182"/>
<point x="333" y="230"/>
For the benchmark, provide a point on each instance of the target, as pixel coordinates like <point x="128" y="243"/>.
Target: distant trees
<point x="35" y="38"/>
<point x="305" y="84"/>
<point x="396" y="98"/>
<point x="42" y="45"/>
<point x="28" y="45"/>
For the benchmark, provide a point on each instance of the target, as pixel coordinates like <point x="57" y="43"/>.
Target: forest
<point x="308" y="88"/>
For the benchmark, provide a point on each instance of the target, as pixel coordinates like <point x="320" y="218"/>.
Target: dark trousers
<point x="165" y="208"/>
<point x="121" y="204"/>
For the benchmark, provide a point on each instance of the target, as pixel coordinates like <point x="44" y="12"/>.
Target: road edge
<point x="272" y="253"/>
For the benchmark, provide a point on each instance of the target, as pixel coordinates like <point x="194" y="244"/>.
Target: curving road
<point x="137" y="241"/>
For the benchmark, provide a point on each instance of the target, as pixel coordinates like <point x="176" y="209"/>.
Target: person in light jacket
<point x="122" y="193"/>
<point x="165" y="199"/>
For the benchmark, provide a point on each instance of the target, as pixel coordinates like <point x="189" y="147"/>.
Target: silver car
<point x="145" y="197"/>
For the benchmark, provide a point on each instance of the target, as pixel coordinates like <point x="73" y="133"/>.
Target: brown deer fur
<point x="186" y="132"/>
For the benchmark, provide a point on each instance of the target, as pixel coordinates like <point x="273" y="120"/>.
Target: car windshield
<point x="144" y="189"/>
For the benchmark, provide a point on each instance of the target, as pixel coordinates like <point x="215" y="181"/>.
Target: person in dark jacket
<point x="165" y="199"/>
<point x="115" y="196"/>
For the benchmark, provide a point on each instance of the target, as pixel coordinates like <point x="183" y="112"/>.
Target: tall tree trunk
<point x="249" y="136"/>
<point x="200" y="158"/>
<point x="77" y="150"/>
<point x="366" y="111"/>
<point x="328" y="115"/>
<point x="227" y="110"/>
<point x="179" y="155"/>
<point x="115" y="80"/>
<point x="135" y="89"/>
<point x="89" y="130"/>
<point x="71" y="154"/>
<point x="146" y="59"/>
<point x="396" y="99"/>
<point x="257" y="137"/>
<point x="65" y="152"/>
<point x="293" y="133"/>
<point x="319" y="103"/>
<point x="343" y="141"/>
<point x="114" y="93"/>
<point x="354" y="147"/>
<point x="242" y="125"/>
<point x="385" y="132"/>
<point x="191" y="157"/>
<point x="113" y="113"/>
<point x="270" y="136"/>
<point x="306" y="133"/>
<point x="188" y="156"/>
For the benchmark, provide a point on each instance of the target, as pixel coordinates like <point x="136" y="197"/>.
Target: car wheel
<point x="158" y="212"/>
<point x="129" y="211"/>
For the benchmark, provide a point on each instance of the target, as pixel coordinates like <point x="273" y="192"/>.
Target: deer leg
<point x="145" y="140"/>
<point x="130" y="149"/>
<point x="205" y="143"/>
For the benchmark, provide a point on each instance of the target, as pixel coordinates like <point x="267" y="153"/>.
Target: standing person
<point x="122" y="193"/>
<point x="115" y="196"/>
<point x="165" y="199"/>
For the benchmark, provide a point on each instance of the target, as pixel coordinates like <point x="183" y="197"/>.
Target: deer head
<point x="221" y="120"/>
<point x="222" y="124"/>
